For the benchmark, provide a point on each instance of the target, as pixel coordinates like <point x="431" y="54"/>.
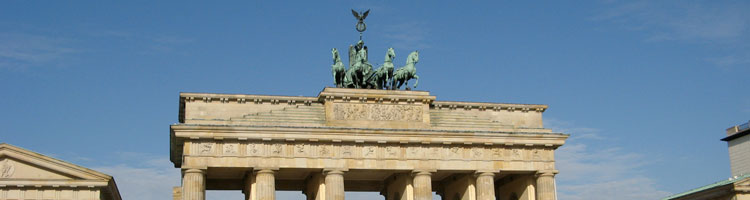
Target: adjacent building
<point x="739" y="148"/>
<point x="28" y="175"/>
<point x="738" y="186"/>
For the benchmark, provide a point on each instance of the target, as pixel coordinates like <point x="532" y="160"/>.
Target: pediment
<point x="18" y="163"/>
<point x="743" y="183"/>
<point x="15" y="169"/>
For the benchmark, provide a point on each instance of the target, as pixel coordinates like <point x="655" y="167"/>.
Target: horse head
<point x="390" y="55"/>
<point x="413" y="58"/>
<point x="336" y="57"/>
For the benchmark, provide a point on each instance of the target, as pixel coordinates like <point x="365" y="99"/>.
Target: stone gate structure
<point x="404" y="144"/>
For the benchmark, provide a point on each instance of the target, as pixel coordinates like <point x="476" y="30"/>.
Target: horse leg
<point x="337" y="79"/>
<point x="393" y="84"/>
<point x="416" y="82"/>
<point x="341" y="78"/>
<point x="380" y="84"/>
<point x="355" y="79"/>
<point x="390" y="82"/>
<point x="384" y="81"/>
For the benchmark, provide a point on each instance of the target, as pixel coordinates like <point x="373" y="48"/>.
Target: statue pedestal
<point x="371" y="108"/>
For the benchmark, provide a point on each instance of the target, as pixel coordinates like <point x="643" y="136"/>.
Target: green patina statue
<point x="359" y="68"/>
<point x="407" y="72"/>
<point x="381" y="77"/>
<point x="360" y="73"/>
<point x="338" y="69"/>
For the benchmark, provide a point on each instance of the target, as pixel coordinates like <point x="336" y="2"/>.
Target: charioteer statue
<point x="360" y="73"/>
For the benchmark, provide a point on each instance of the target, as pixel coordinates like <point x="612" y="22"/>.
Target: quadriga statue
<point x="407" y="72"/>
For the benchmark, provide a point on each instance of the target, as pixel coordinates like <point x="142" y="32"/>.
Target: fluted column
<point x="485" y="186"/>
<point x="265" y="182"/>
<point x="247" y="187"/>
<point x="545" y="185"/>
<point x="194" y="184"/>
<point x="422" y="185"/>
<point x="334" y="184"/>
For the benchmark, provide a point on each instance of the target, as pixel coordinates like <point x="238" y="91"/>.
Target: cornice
<point x="489" y="106"/>
<point x="374" y="135"/>
<point x="244" y="98"/>
<point x="54" y="183"/>
<point x="373" y="95"/>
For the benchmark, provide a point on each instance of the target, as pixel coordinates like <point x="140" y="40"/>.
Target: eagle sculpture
<point x="361" y="26"/>
<point x="361" y="16"/>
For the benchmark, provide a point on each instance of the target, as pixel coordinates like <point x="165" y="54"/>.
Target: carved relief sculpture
<point x="7" y="169"/>
<point x="377" y="112"/>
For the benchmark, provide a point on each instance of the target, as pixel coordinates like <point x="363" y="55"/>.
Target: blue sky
<point x="645" y="88"/>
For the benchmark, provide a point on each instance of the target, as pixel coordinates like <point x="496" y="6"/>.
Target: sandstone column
<point x="545" y="185"/>
<point x="334" y="184"/>
<point x="176" y="193"/>
<point x="247" y="188"/>
<point x="485" y="186"/>
<point x="265" y="182"/>
<point x="422" y="185"/>
<point x="194" y="184"/>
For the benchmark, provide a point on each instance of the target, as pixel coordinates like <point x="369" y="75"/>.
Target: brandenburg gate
<point x="404" y="144"/>
<point x="363" y="135"/>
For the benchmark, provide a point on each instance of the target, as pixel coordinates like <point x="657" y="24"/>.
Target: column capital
<point x="484" y="173"/>
<point x="546" y="173"/>
<point x="265" y="171"/>
<point x="194" y="170"/>
<point x="334" y="171"/>
<point x="427" y="172"/>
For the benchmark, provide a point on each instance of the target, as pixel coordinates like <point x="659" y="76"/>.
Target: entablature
<point x="398" y="144"/>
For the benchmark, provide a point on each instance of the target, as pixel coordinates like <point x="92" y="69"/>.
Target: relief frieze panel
<point x="515" y="154"/>
<point x="301" y="150"/>
<point x="277" y="149"/>
<point x="455" y="152"/>
<point x="433" y="151"/>
<point x="477" y="153"/>
<point x="414" y="152"/>
<point x="536" y="154"/>
<point x="391" y="151"/>
<point x="496" y="153"/>
<point x="347" y="151"/>
<point x="369" y="151"/>
<point x="378" y="112"/>
<point x="230" y="149"/>
<point x="255" y="149"/>
<point x="325" y="151"/>
<point x="206" y="148"/>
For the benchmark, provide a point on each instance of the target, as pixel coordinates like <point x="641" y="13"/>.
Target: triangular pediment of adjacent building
<point x="19" y="163"/>
<point x="22" y="168"/>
